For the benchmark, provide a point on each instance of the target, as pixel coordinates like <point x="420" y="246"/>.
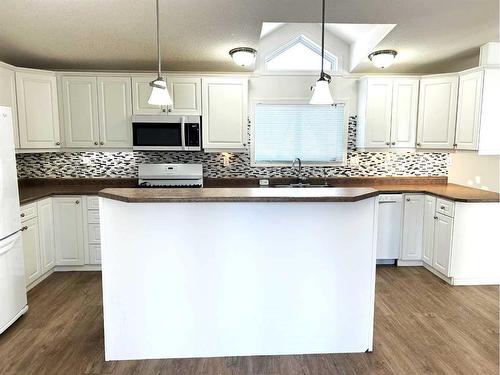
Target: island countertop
<point x="320" y="194"/>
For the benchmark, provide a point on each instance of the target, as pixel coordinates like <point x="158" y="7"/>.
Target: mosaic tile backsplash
<point x="124" y="164"/>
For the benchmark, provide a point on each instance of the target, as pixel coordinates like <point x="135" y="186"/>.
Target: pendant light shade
<point x="159" y="92"/>
<point x="321" y="91"/>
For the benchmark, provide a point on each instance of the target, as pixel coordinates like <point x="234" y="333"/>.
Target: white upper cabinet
<point x="79" y="96"/>
<point x="140" y="95"/>
<point x="8" y="97"/>
<point x="413" y="214"/>
<point x="489" y="135"/>
<point x="437" y="112"/>
<point x="470" y="89"/>
<point x="115" y="110"/>
<point x="225" y="102"/>
<point x="387" y="112"/>
<point x="37" y="110"/>
<point x="404" y="112"/>
<point x="186" y="95"/>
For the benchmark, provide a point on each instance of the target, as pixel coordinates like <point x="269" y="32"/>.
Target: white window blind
<point x="283" y="132"/>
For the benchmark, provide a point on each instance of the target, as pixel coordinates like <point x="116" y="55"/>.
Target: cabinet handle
<point x="170" y="110"/>
<point x="96" y="143"/>
<point x="244" y="144"/>
<point x="393" y="143"/>
<point x="387" y="143"/>
<point x="419" y="144"/>
<point x="443" y="207"/>
<point x="101" y="143"/>
<point x="58" y="143"/>
<point x="408" y="199"/>
<point x="77" y="202"/>
<point x="435" y="217"/>
<point x="164" y="110"/>
<point x="24" y="228"/>
<point x="22" y="215"/>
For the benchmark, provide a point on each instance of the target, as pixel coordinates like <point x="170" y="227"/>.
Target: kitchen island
<point x="231" y="272"/>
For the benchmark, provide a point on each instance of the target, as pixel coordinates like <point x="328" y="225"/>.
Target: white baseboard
<point x="409" y="263"/>
<point x="10" y="322"/>
<point x="40" y="279"/>
<point x="475" y="281"/>
<point x="86" y="267"/>
<point x="386" y="261"/>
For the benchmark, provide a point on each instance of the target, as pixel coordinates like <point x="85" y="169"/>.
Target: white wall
<point x="474" y="170"/>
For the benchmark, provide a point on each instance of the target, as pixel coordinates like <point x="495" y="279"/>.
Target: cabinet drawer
<point x="92" y="203"/>
<point x="28" y="211"/>
<point x="445" y="207"/>
<point x="93" y="216"/>
<point x="94" y="233"/>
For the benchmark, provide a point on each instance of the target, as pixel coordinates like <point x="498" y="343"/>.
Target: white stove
<point x="171" y="175"/>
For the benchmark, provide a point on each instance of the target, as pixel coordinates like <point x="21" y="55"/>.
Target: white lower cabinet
<point x="429" y="215"/>
<point x="69" y="236"/>
<point x="46" y="232"/>
<point x="390" y="207"/>
<point x="413" y="213"/>
<point x="31" y="249"/>
<point x="443" y="230"/>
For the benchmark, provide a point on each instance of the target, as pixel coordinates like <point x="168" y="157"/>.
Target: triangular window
<point x="300" y="54"/>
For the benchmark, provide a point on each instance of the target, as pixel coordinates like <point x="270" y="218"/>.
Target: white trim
<point x="409" y="263"/>
<point x="10" y="322"/>
<point x="40" y="279"/>
<point x="85" y="267"/>
<point x="302" y="39"/>
<point x="475" y="281"/>
<point x="256" y="101"/>
<point x="437" y="273"/>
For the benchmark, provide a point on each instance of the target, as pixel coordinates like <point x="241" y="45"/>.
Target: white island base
<point x="237" y="278"/>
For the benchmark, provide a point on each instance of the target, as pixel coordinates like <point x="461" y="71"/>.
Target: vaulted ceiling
<point x="434" y="36"/>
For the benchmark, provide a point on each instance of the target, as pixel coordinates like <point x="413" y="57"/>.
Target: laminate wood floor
<point x="422" y="326"/>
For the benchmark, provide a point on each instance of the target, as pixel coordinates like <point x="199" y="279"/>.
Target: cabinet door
<point x="489" y="136"/>
<point x="79" y="95"/>
<point x="429" y="214"/>
<point x="8" y="98"/>
<point x="378" y="113"/>
<point x="186" y="95"/>
<point x="38" y="110"/>
<point x="46" y="232"/>
<point x="31" y="249"/>
<point x="225" y="102"/>
<point x="68" y="222"/>
<point x="115" y="110"/>
<point x="404" y="113"/>
<point x="140" y="95"/>
<point x="390" y="211"/>
<point x="443" y="231"/>
<point x="470" y="91"/>
<point x="413" y="222"/>
<point x="95" y="254"/>
<point x="437" y="112"/>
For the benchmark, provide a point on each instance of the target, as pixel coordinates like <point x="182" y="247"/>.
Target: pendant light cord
<point x="323" y="39"/>
<point x="158" y="35"/>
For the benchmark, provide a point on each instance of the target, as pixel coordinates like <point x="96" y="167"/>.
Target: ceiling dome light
<point x="243" y="56"/>
<point x="383" y="58"/>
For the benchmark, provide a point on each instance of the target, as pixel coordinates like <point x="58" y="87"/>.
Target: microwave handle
<point x="183" y="132"/>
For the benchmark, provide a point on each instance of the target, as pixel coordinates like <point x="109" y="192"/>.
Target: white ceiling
<point x="430" y="36"/>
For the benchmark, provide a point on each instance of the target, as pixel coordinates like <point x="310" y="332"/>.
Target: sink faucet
<point x="300" y="178"/>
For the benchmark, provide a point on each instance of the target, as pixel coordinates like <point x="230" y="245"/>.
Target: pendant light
<point x="159" y="92"/>
<point x="321" y="91"/>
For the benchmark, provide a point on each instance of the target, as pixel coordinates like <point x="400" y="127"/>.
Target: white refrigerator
<point x="13" y="302"/>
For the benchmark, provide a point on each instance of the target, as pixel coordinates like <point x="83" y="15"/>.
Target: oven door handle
<point x="183" y="133"/>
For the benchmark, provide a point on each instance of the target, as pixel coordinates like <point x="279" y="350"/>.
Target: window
<point x="300" y="54"/>
<point x="285" y="131"/>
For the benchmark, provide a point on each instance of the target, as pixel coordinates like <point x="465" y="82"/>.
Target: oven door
<point x="161" y="136"/>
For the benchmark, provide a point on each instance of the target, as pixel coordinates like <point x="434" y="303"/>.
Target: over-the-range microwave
<point x="166" y="133"/>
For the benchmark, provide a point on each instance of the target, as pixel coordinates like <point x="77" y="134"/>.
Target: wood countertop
<point x="320" y="194"/>
<point x="31" y="190"/>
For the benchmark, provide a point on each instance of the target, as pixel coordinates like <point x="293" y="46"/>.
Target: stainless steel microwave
<point x="166" y="133"/>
